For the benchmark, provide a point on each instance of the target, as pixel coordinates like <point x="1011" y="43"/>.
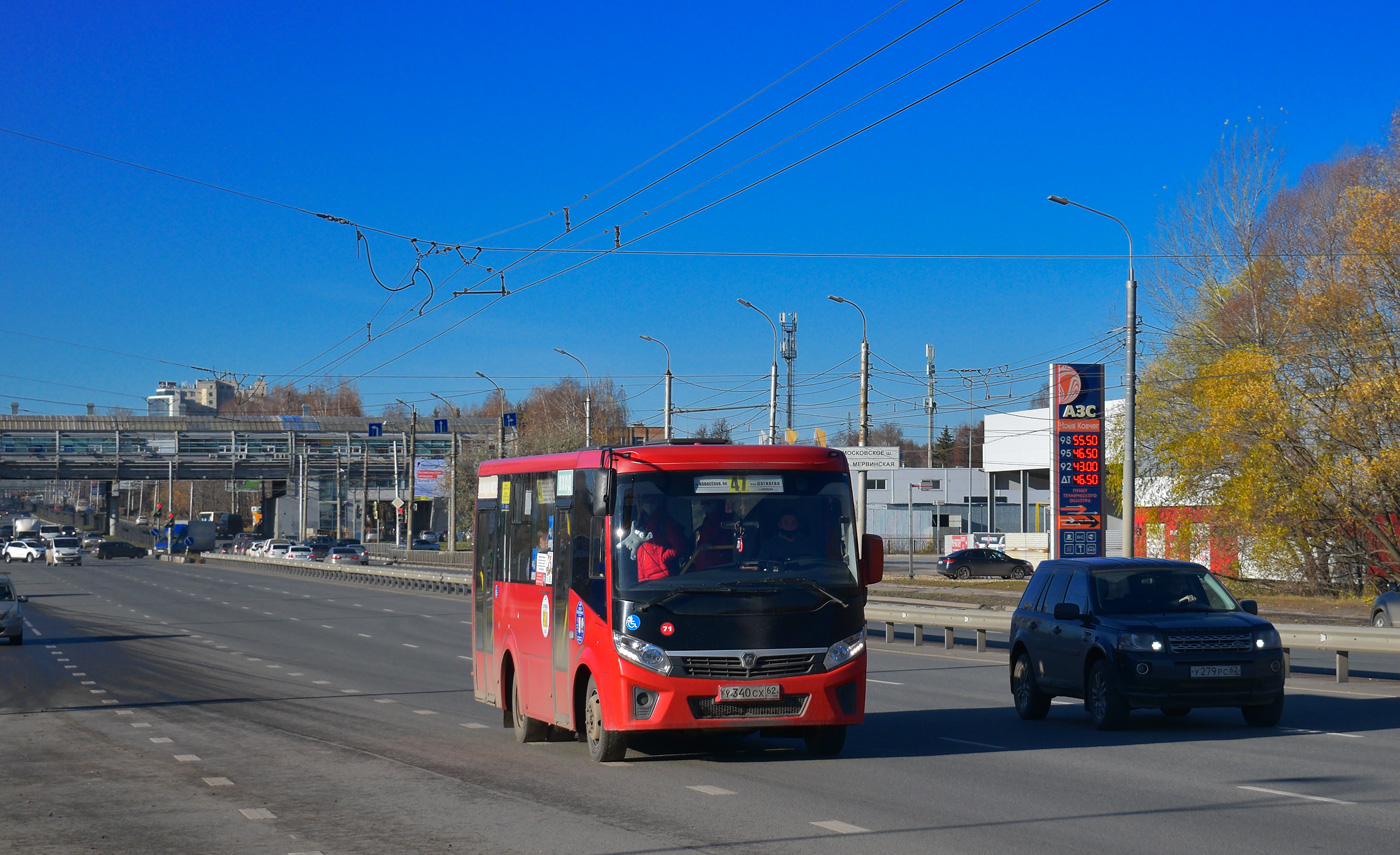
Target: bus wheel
<point x="526" y="729"/>
<point x="604" y="746"/>
<point x="826" y="741"/>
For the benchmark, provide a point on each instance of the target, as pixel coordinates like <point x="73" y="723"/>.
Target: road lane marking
<point x="1296" y="795"/>
<point x="295" y="674"/>
<point x="218" y="782"/>
<point x="1305" y="731"/>
<point x="882" y="682"/>
<point x="414" y="646"/>
<point x="350" y="691"/>
<point x="161" y="740"/>
<point x="616" y="764"/>
<point x="473" y="725"/>
<point x="711" y="791"/>
<point x="126" y="712"/>
<point x="274" y="666"/>
<point x="425" y="712"/>
<point x="257" y="813"/>
<point x="320" y="682"/>
<point x="385" y="701"/>
<point x="970" y="742"/>
<point x="326" y="626"/>
<point x="1339" y="692"/>
<point x="110" y="701"/>
<point x="98" y="691"/>
<point x="840" y="827"/>
<point x="140" y="724"/>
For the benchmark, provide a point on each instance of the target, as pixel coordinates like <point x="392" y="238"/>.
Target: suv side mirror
<point x="1066" y="611"/>
<point x="1250" y="606"/>
<point x="22" y="598"/>
<point x="872" y="559"/>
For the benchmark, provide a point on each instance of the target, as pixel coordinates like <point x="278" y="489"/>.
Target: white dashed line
<point x="140" y="724"/>
<point x="257" y="813"/>
<point x="126" y="712"/>
<point x="161" y="740"/>
<point x="362" y="635"/>
<point x="840" y="827"/>
<point x="350" y="691"/>
<point x="1297" y="795"/>
<point x="218" y="782"/>
<point x="425" y="712"/>
<point x="385" y="701"/>
<point x="187" y="758"/>
<point x="473" y="725"/>
<point x="320" y="682"/>
<point x="970" y="742"/>
<point x="882" y="682"/>
<point x="414" y="646"/>
<point x="711" y="791"/>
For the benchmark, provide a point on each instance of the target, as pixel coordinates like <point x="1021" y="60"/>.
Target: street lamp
<point x="587" y="397"/>
<point x="455" y="410"/>
<point x="667" y="420"/>
<point x="500" y="422"/>
<point x="864" y="410"/>
<point x="1129" y="388"/>
<point x="773" y="381"/>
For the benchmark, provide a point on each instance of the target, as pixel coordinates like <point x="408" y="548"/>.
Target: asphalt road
<point x="163" y="708"/>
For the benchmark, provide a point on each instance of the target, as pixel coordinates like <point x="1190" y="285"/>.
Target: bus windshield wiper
<point x="669" y="595"/>
<point x="800" y="580"/>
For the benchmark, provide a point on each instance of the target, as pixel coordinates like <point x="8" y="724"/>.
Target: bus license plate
<point x="770" y="692"/>
<point x="1215" y="670"/>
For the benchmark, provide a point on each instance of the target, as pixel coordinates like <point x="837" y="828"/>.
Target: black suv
<point x="120" y="549"/>
<point x="1125" y="633"/>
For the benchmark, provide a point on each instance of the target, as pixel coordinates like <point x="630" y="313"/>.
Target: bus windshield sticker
<point x="505" y="494"/>
<point x="486" y="487"/>
<point x="740" y="484"/>
<point x="578" y="622"/>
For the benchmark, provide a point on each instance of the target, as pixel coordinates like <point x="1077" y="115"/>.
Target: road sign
<point x="376" y="428"/>
<point x="871" y="457"/>
<point x="439" y="425"/>
<point x="508" y="420"/>
<point x="397" y="503"/>
<point x="1077" y="460"/>
<point x="189" y="541"/>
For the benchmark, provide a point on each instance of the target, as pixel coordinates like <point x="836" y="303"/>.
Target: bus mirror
<point x="602" y="491"/>
<point x="872" y="559"/>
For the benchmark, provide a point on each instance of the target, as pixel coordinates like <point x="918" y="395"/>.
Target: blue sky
<point x="451" y="122"/>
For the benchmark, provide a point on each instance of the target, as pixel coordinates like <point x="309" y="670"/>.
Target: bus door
<point x="583" y="584"/>
<point x="528" y="601"/>
<point x="485" y="577"/>
<point x="562" y="633"/>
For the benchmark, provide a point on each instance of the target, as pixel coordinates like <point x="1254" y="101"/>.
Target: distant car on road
<point x="347" y="555"/>
<point x="91" y="539"/>
<point x="425" y="546"/>
<point x="1128" y="633"/>
<point x="300" y="552"/>
<point x="24" y="550"/>
<point x="64" y="550"/>
<point x="143" y="520"/>
<point x="108" y="549"/>
<point x="1385" y="611"/>
<point x="967" y="563"/>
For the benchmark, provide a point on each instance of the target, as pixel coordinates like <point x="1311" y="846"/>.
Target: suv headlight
<point x="1267" y="639"/>
<point x="844" y="651"/>
<point x="1142" y="642"/>
<point x="642" y="653"/>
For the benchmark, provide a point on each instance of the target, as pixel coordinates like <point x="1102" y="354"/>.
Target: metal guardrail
<point x="1343" y="640"/>
<point x="433" y="581"/>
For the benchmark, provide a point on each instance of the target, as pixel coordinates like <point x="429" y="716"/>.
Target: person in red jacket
<point x="659" y="556"/>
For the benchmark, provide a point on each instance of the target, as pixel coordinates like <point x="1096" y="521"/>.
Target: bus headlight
<point x="639" y="652"/>
<point x="844" y="651"/>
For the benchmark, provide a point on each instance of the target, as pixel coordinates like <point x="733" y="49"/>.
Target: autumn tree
<point x="323" y="398"/>
<point x="1274" y="395"/>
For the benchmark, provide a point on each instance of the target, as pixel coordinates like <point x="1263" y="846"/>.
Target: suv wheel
<point x="1031" y="703"/>
<point x="1264" y="716"/>
<point x="1107" y="707"/>
<point x="962" y="573"/>
<point x="1379" y="619"/>
<point x="1018" y="572"/>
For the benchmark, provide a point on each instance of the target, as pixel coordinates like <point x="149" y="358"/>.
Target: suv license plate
<point x="1215" y="670"/>
<point x="771" y="692"/>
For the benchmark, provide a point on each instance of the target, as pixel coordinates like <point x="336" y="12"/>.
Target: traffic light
<point x="158" y="509"/>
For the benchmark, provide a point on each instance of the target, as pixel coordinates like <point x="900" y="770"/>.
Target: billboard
<point x="429" y="478"/>
<point x="1077" y="460"/>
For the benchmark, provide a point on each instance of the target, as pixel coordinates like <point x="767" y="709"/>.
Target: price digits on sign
<point x="1080" y="455"/>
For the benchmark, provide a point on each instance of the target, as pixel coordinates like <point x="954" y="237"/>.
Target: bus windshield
<point x="693" y="532"/>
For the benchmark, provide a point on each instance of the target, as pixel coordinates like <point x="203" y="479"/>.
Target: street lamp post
<point x="1129" y="389"/>
<point x="587" y="397"/>
<point x="501" y="421"/>
<point x="922" y="485"/>
<point x="667" y="420"/>
<point x="773" y="377"/>
<point x="864" y="410"/>
<point x="412" y="470"/>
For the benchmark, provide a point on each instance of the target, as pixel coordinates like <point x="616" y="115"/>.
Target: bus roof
<point x="645" y="458"/>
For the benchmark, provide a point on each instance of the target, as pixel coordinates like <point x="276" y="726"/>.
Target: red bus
<point x="682" y="588"/>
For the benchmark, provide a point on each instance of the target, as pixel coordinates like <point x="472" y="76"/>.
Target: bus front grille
<point x="789" y="706"/>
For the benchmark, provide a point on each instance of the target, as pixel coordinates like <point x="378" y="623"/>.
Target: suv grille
<point x="789" y="706"/>
<point x="765" y="668"/>
<point x="1216" y="641"/>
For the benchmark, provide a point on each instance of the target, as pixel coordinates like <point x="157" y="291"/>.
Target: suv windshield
<point x="701" y="532"/>
<point x="1156" y="591"/>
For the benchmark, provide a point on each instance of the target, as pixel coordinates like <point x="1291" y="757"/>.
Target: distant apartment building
<point x="201" y="398"/>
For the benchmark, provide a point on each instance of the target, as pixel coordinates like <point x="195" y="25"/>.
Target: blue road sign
<point x="189" y="541"/>
<point x="439" y="425"/>
<point x="376" y="428"/>
<point x="508" y="420"/>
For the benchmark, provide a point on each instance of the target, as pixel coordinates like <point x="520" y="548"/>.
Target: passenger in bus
<point x="659" y="556"/>
<point x="714" y="544"/>
<point x="789" y="542"/>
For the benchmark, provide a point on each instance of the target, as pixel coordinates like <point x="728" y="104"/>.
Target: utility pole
<point x="788" y="322"/>
<point x="452" y="498"/>
<point x="364" y="485"/>
<point x="929" y="404"/>
<point x="412" y="473"/>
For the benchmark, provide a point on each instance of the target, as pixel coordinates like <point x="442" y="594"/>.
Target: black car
<point x="120" y="549"/>
<point x="425" y="545"/>
<point x="1385" y="611"/>
<point x="966" y="563"/>
<point x="1128" y="633"/>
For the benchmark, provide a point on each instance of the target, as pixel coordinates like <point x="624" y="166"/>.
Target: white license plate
<point x="770" y="692"/>
<point x="1215" y="670"/>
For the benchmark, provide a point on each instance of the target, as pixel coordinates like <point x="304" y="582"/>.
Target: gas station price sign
<point x="1077" y="459"/>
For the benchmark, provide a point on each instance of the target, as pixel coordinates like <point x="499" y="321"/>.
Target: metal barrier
<point x="431" y="581"/>
<point x="1344" y="640"/>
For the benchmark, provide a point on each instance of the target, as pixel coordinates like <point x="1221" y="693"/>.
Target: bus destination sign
<point x="1077" y="459"/>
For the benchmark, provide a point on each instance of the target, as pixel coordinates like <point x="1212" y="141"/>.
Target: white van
<point x="64" y="550"/>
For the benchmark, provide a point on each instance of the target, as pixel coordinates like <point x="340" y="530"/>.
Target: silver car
<point x="11" y="612"/>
